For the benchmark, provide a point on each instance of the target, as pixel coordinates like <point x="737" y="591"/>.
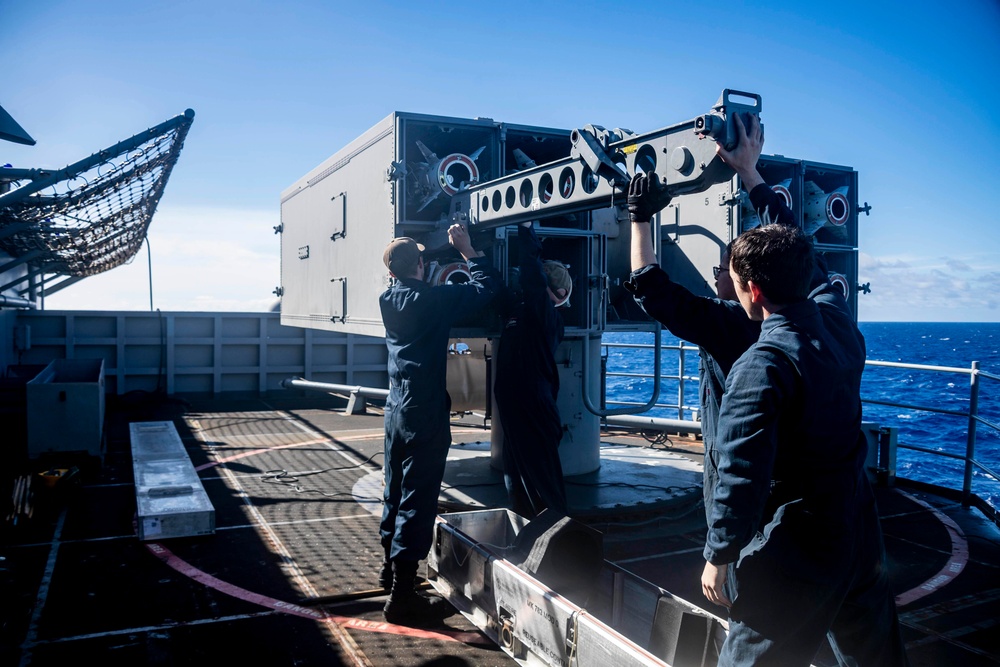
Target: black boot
<point x="385" y="574"/>
<point x="408" y="607"/>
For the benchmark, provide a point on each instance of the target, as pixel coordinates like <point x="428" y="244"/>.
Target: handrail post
<point x="970" y="446"/>
<point x="604" y="380"/>
<point x="680" y="381"/>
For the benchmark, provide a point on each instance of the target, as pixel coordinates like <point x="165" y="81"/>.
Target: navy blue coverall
<point x="418" y="319"/>
<point x="526" y="388"/>
<point x="793" y="508"/>
<point x="721" y="330"/>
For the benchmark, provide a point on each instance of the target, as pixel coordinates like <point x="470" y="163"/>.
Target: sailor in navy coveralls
<point x="527" y="383"/>
<point x="718" y="326"/>
<point x="418" y="318"/>
<point x="793" y="511"/>
<point x="779" y="619"/>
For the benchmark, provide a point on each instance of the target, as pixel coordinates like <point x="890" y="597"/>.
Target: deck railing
<point x="976" y="375"/>
<point x="974" y="419"/>
<point x="681" y="376"/>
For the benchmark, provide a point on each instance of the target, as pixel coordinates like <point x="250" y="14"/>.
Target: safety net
<point x="93" y="215"/>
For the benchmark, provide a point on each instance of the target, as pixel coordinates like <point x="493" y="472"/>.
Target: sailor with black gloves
<point x="527" y="382"/>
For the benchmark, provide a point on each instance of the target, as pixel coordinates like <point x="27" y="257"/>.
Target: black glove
<point x="646" y="196"/>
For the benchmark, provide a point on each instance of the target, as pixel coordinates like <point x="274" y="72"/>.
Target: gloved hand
<point x="646" y="196"/>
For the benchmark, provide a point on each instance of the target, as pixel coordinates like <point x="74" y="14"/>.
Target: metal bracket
<point x="395" y="171"/>
<point x="590" y="145"/>
<point x="571" y="637"/>
<point x="339" y="302"/>
<point x="737" y="197"/>
<point x="720" y="123"/>
<point x="339" y="222"/>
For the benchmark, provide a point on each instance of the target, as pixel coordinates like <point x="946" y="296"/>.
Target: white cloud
<point x="930" y="289"/>
<point x="203" y="259"/>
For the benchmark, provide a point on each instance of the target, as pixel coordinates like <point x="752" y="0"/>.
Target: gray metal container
<point x="65" y="408"/>
<point x="393" y="180"/>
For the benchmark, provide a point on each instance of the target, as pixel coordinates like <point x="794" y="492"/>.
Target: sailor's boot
<point x="385" y="573"/>
<point x="408" y="607"/>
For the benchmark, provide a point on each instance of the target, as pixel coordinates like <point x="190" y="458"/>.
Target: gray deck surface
<point x="287" y="577"/>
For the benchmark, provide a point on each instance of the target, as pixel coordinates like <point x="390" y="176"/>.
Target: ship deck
<point x="287" y="578"/>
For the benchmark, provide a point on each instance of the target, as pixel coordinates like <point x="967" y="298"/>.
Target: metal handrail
<point x="972" y="414"/>
<point x="610" y="412"/>
<point x="681" y="347"/>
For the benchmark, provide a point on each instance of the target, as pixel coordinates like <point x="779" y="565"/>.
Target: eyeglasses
<point x="716" y="270"/>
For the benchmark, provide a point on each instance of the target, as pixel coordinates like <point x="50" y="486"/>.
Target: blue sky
<point x="905" y="93"/>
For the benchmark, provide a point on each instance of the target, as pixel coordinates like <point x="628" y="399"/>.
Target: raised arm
<point x="646" y="196"/>
<point x="743" y="158"/>
<point x="458" y="236"/>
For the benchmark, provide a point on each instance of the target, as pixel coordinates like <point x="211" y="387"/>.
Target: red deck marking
<point x="261" y="450"/>
<point x="185" y="568"/>
<point x="951" y="569"/>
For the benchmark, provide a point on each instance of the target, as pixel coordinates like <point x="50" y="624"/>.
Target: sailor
<point x="793" y="511"/>
<point x="718" y="326"/>
<point x="418" y="319"/>
<point x="527" y="382"/>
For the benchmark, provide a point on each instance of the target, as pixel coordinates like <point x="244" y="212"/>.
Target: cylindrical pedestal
<point x="579" y="450"/>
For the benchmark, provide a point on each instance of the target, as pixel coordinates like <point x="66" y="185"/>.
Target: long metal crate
<point x="549" y="607"/>
<point x="170" y="498"/>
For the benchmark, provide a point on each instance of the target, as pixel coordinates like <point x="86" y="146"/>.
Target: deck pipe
<point x="682" y="426"/>
<point x="356" y="403"/>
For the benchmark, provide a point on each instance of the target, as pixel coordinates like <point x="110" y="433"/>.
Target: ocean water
<point x="954" y="345"/>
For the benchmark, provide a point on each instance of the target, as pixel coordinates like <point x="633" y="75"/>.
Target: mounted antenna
<point x="11" y="131"/>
